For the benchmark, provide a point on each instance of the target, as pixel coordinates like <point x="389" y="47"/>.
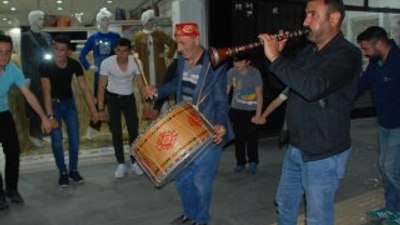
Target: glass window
<point x="393" y="4"/>
<point x="354" y="2"/>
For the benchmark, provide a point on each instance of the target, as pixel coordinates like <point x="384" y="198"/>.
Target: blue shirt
<point x="102" y="44"/>
<point x="383" y="79"/>
<point x="11" y="76"/>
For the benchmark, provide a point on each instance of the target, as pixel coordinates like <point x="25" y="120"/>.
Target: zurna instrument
<point x="217" y="55"/>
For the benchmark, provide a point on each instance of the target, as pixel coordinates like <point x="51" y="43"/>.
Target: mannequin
<point x="150" y="44"/>
<point x="35" y="45"/>
<point x="102" y="44"/>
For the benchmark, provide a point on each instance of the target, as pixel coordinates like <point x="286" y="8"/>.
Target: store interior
<point x="77" y="19"/>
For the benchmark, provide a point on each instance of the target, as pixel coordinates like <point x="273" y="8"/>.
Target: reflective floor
<point x="239" y="198"/>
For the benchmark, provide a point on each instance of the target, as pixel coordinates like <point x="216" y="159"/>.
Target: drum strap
<point x="201" y="98"/>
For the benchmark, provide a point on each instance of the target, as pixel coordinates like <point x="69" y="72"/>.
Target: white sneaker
<point x="136" y="169"/>
<point x="120" y="171"/>
<point x="90" y="133"/>
<point x="36" y="142"/>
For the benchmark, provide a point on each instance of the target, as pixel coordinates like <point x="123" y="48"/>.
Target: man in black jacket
<point x="321" y="81"/>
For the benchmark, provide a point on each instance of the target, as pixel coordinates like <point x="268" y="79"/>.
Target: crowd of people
<point x="322" y="83"/>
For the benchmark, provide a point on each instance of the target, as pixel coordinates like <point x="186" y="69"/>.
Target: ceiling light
<point x="109" y="1"/>
<point x="59" y="8"/>
<point x="4" y="19"/>
<point x="5" y="2"/>
<point x="13" y="9"/>
<point x="59" y="1"/>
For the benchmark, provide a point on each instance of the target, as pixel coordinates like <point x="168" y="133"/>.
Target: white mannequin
<point x="35" y="19"/>
<point x="148" y="21"/>
<point x="103" y="20"/>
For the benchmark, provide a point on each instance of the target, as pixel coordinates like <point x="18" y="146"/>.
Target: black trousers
<point x="92" y="124"/>
<point x="246" y="132"/>
<point x="11" y="148"/>
<point x="118" y="105"/>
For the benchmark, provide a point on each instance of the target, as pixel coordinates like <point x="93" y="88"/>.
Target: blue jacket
<point x="215" y="105"/>
<point x="384" y="82"/>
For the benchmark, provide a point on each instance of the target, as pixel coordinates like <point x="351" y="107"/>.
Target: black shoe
<point x="63" y="181"/>
<point x="74" y="175"/>
<point x="199" y="223"/>
<point x="181" y="220"/>
<point x="15" y="196"/>
<point x="3" y="203"/>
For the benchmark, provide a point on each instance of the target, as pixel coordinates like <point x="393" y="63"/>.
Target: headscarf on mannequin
<point x="146" y="16"/>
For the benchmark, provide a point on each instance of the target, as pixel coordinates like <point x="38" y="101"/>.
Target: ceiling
<point x="85" y="9"/>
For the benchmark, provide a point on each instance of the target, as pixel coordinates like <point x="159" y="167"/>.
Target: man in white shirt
<point x="116" y="88"/>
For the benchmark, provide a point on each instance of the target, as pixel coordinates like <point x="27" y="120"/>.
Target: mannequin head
<point x="103" y="20"/>
<point x="35" y="18"/>
<point x="148" y="19"/>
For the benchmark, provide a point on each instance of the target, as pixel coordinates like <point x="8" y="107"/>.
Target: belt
<point x="58" y="100"/>
<point x="117" y="95"/>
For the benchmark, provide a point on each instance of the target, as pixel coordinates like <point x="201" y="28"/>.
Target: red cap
<point x="186" y="29"/>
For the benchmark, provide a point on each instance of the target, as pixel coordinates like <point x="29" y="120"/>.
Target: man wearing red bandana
<point x="195" y="81"/>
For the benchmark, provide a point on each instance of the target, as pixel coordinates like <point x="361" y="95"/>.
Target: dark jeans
<point x="65" y="110"/>
<point x="246" y="132"/>
<point x="9" y="141"/>
<point x="117" y="105"/>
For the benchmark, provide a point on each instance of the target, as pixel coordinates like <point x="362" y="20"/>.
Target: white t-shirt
<point x="119" y="82"/>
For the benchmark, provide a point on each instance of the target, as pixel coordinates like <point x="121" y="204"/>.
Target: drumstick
<point x="140" y="67"/>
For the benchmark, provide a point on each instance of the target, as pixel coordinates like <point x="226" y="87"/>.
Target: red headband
<point x="186" y="29"/>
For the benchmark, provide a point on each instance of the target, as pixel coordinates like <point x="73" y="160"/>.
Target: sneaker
<point x="36" y="142"/>
<point x="90" y="133"/>
<point x="253" y="168"/>
<point x="378" y="214"/>
<point x="136" y="168"/>
<point x="181" y="220"/>
<point x="3" y="202"/>
<point x="75" y="176"/>
<point x="14" y="196"/>
<point x="63" y="181"/>
<point x="392" y="220"/>
<point x="121" y="171"/>
<point x="238" y="168"/>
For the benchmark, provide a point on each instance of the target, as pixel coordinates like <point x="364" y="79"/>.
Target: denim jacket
<point x="322" y="88"/>
<point x="211" y="86"/>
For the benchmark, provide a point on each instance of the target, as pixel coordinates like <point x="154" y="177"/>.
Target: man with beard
<point x="382" y="77"/>
<point x="322" y="84"/>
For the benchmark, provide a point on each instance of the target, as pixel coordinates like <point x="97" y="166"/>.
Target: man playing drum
<point x="197" y="82"/>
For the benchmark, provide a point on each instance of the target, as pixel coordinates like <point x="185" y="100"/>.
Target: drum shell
<point x="171" y="142"/>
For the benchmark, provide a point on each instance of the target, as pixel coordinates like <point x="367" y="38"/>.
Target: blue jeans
<point x="194" y="185"/>
<point x="65" y="110"/>
<point x="316" y="180"/>
<point x="389" y="165"/>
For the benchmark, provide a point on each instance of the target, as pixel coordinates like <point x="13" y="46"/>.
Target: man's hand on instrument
<point x="149" y="92"/>
<point x="220" y="132"/>
<point x="272" y="45"/>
